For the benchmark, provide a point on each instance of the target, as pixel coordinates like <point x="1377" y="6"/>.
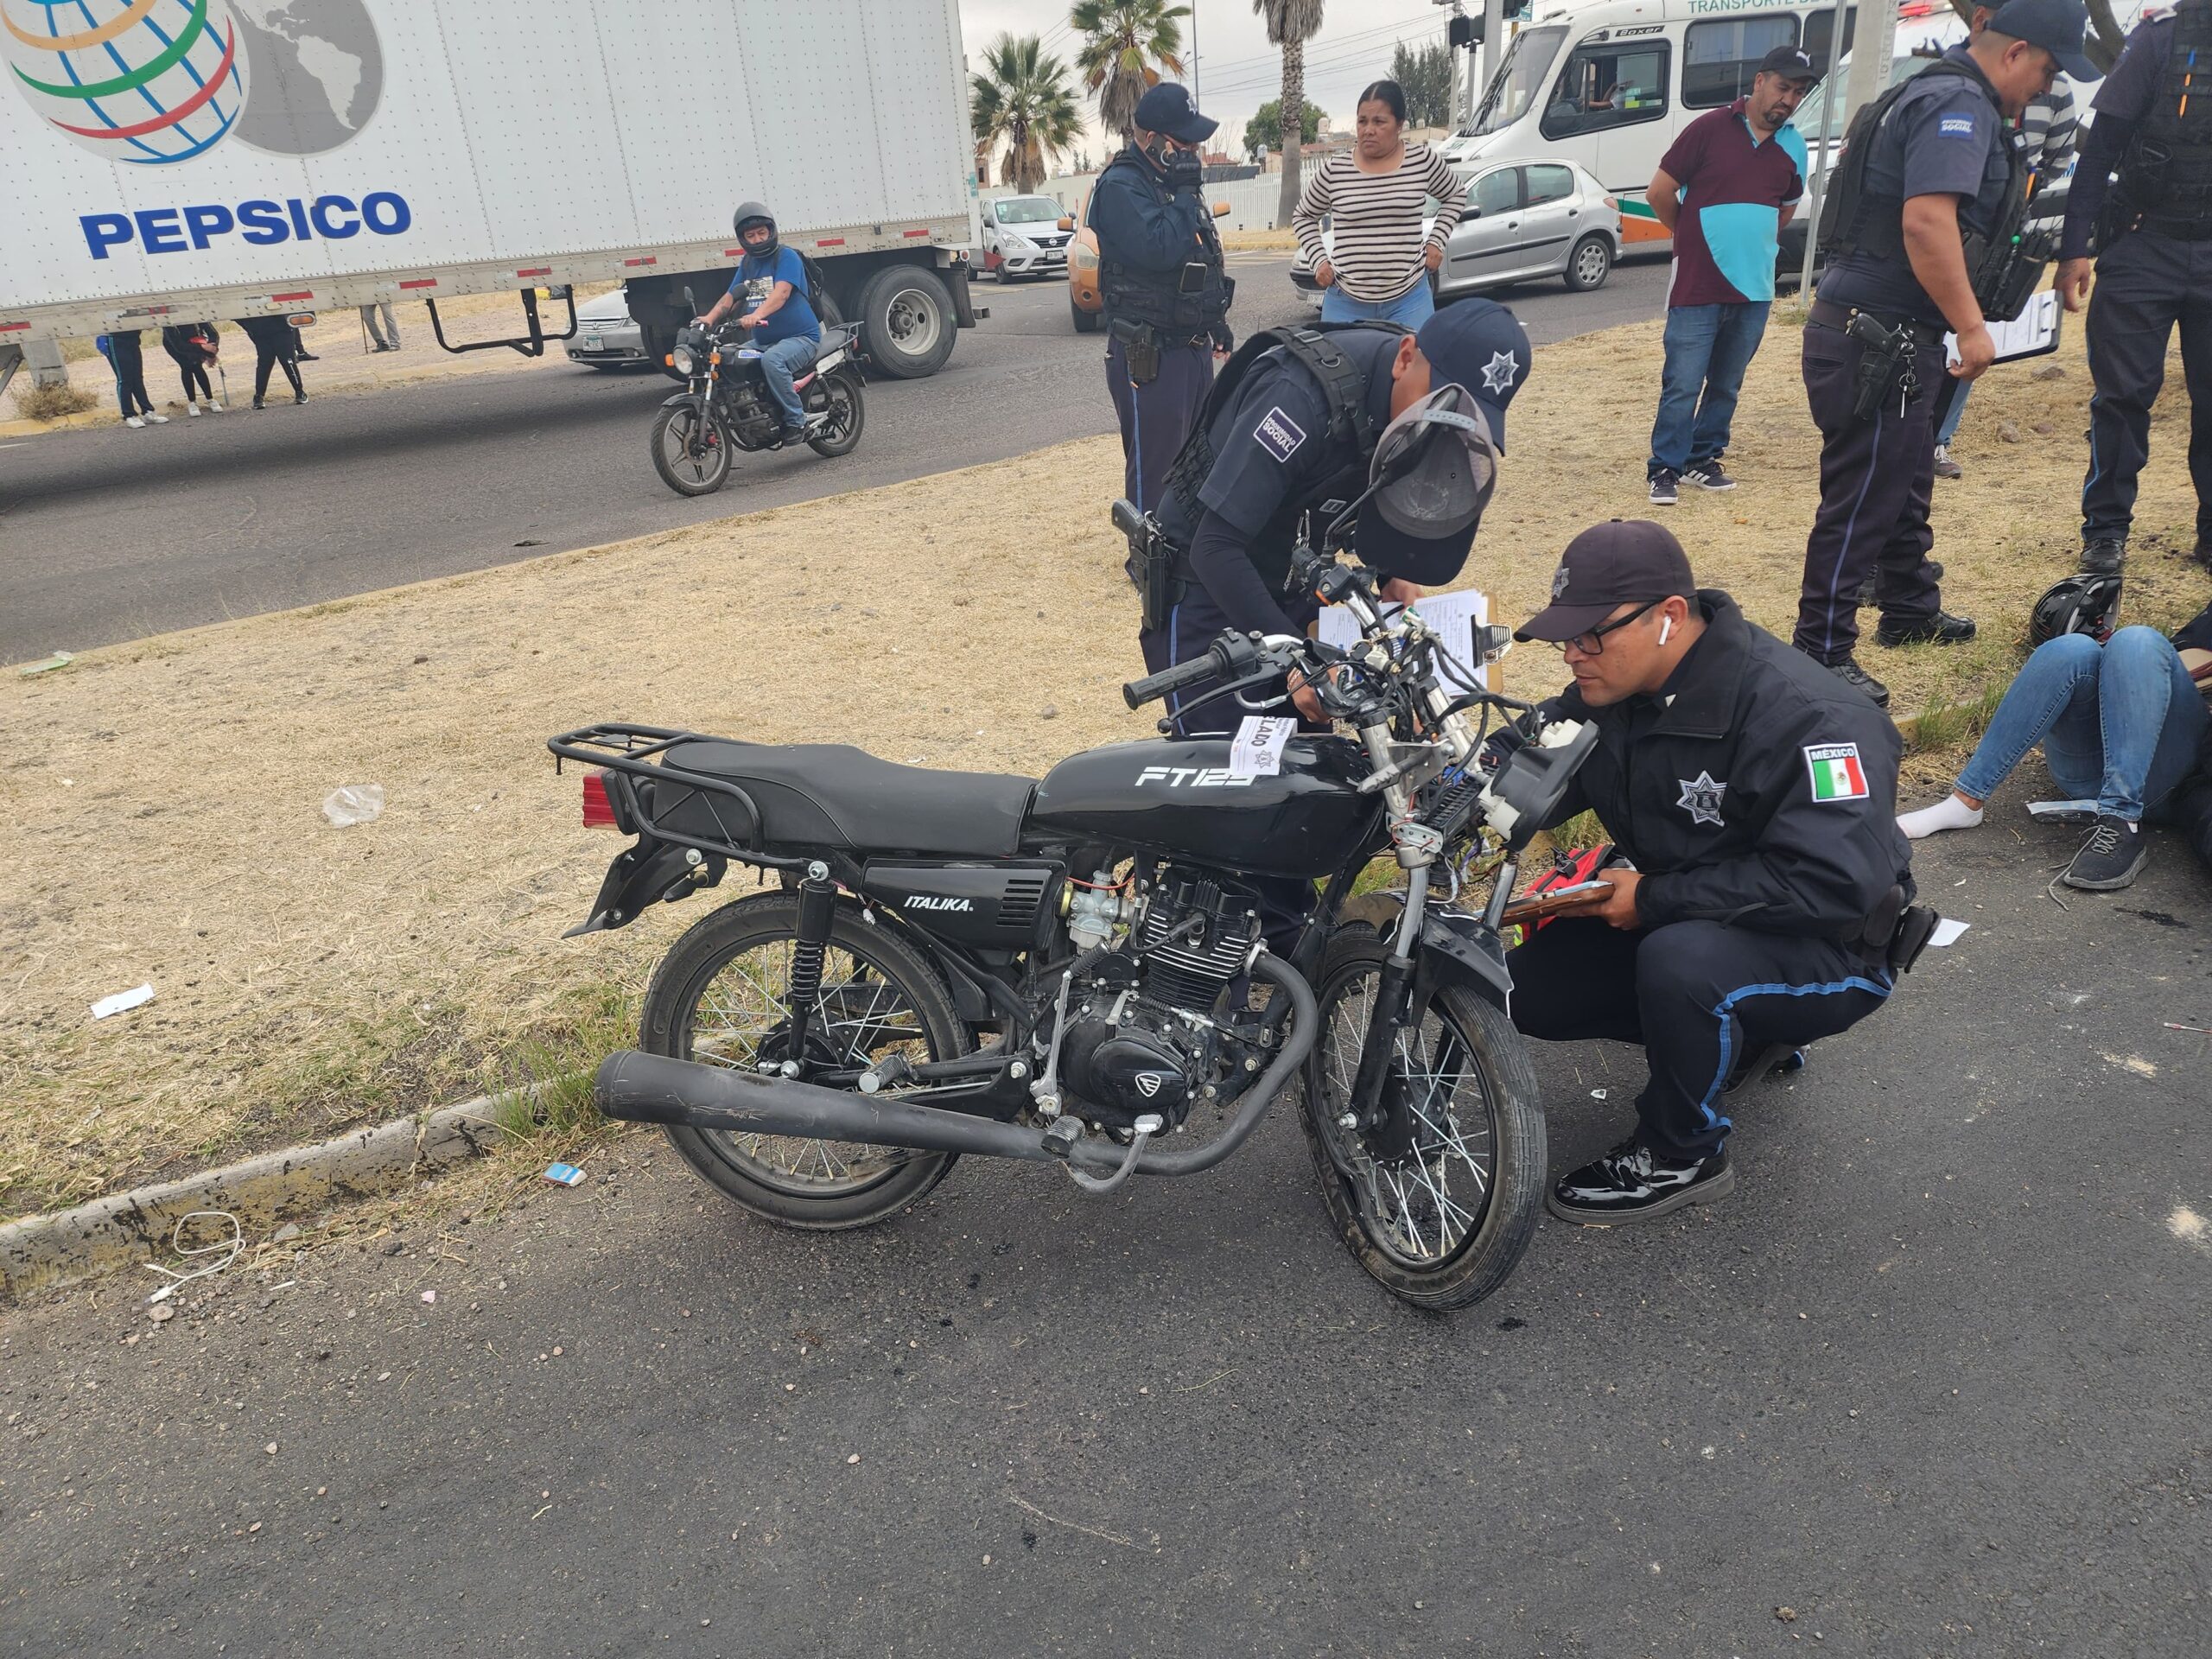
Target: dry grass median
<point x="162" y="799"/>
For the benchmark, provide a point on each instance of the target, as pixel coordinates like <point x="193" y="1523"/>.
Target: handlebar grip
<point x="1127" y="518"/>
<point x="1137" y="693"/>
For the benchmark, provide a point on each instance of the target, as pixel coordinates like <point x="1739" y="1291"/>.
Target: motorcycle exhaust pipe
<point x="654" y="1088"/>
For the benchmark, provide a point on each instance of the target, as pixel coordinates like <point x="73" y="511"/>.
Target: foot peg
<point x="1061" y="1136"/>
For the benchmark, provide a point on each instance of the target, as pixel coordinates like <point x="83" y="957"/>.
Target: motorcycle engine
<point x="1141" y="1039"/>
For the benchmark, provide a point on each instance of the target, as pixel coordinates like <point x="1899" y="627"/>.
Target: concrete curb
<point x="52" y="1252"/>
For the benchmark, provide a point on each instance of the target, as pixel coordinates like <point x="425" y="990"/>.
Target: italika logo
<point x="156" y="81"/>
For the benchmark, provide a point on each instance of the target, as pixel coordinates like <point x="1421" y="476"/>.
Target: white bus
<point x="1609" y="84"/>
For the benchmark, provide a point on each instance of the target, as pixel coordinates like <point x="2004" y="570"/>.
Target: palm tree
<point x="1291" y="23"/>
<point x="1023" y="97"/>
<point x="1122" y="41"/>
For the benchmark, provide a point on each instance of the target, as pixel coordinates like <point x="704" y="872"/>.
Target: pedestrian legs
<point x="1735" y="342"/>
<point x="1876" y="479"/>
<point x="387" y="338"/>
<point x="2138" y="298"/>
<point x="1156" y="417"/>
<point x="274" y="354"/>
<point x="1688" y="342"/>
<point x="129" y="374"/>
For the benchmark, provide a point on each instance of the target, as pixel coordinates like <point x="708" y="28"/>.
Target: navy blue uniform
<point x="1145" y="226"/>
<point x="1945" y="136"/>
<point x="2148" y="281"/>
<point x="1757" y="795"/>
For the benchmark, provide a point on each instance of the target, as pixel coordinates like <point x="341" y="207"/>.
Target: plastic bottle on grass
<point x="351" y="803"/>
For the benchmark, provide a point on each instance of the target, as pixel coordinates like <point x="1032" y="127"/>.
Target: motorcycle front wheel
<point x="690" y="460"/>
<point x="841" y="396"/>
<point x="1439" y="1206"/>
<point x="720" y="997"/>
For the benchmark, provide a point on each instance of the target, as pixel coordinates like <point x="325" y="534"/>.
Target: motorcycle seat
<point x="832" y="795"/>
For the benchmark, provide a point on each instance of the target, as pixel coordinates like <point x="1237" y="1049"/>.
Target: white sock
<point x="1949" y="813"/>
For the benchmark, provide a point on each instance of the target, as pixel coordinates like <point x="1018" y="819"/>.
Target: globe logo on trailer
<point x="153" y="81"/>
<point x="147" y="82"/>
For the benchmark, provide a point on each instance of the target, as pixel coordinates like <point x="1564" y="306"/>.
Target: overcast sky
<point x="1237" y="70"/>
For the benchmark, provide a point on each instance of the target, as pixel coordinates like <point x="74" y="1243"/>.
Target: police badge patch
<point x="1701" y="797"/>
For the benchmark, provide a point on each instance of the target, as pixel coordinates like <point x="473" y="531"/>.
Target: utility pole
<point x="1462" y="79"/>
<point x="1194" y="56"/>
<point x="1824" y="144"/>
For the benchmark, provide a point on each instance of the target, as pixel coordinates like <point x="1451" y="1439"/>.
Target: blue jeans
<point x="1946" y="427"/>
<point x="1410" y="310"/>
<point x="2119" y="723"/>
<point x="1708" y="348"/>
<point x="781" y="364"/>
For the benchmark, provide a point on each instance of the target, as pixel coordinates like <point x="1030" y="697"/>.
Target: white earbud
<point x="1666" y="627"/>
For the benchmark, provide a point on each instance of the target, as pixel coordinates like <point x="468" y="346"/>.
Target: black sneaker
<point x="2110" y="858"/>
<point x="1633" y="1183"/>
<point x="1868" y="602"/>
<point x="1851" y="674"/>
<point x="1709" y="477"/>
<point x="1941" y="629"/>
<point x="1664" y="490"/>
<point x="2103" y="556"/>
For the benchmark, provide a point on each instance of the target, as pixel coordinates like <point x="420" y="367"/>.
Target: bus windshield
<point x="1524" y="73"/>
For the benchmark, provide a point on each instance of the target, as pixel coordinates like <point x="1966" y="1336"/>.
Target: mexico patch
<point x="1837" y="775"/>
<point x="1279" y="435"/>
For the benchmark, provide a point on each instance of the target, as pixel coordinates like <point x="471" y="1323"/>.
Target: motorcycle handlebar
<point x="1230" y="656"/>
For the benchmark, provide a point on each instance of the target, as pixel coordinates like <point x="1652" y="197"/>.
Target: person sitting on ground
<point x="2119" y="723"/>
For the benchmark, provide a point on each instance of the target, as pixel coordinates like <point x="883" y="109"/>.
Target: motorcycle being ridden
<point x="765" y="377"/>
<point x="1074" y="969"/>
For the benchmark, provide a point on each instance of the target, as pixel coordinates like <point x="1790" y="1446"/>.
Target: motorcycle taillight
<point x="599" y="811"/>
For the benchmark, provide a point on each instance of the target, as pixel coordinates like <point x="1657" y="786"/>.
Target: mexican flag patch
<point x="1837" y="775"/>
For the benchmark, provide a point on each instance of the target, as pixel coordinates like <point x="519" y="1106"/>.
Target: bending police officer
<point x="1164" y="288"/>
<point x="1920" y="230"/>
<point x="2152" y="224"/>
<point x="1753" y="794"/>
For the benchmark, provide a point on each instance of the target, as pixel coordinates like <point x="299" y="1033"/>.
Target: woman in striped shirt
<point x="1380" y="265"/>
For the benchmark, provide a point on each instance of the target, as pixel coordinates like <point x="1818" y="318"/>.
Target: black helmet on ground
<point x="2081" y="604"/>
<point x="754" y="212"/>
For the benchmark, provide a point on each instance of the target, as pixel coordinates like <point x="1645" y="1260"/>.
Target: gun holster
<point x="1152" y="565"/>
<point x="1140" y="350"/>
<point x="1886" y="364"/>
<point x="1896" y="932"/>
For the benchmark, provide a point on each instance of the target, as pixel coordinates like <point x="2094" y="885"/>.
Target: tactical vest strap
<point x="1854" y="220"/>
<point x="2165" y="172"/>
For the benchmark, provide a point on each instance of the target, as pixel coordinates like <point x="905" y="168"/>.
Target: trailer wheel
<point x="907" y="319"/>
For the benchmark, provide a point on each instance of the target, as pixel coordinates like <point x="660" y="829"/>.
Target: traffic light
<point x="1515" y="10"/>
<point x="1467" y="31"/>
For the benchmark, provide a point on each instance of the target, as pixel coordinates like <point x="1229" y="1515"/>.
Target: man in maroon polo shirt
<point x="1724" y="190"/>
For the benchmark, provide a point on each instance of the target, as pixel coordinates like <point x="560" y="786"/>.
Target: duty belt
<point x="1829" y="314"/>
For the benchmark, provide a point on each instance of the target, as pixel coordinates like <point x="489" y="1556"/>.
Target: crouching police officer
<point x="1922" y="231"/>
<point x="1754" y="794"/>
<point x="2153" y="226"/>
<point x="1162" y="282"/>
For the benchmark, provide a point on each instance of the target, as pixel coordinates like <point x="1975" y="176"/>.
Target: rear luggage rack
<point x="638" y="752"/>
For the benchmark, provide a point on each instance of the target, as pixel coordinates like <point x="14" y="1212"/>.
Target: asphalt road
<point x="108" y="534"/>
<point x="1932" y="1382"/>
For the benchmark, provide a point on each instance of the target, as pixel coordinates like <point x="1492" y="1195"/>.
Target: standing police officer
<point x="1919" y="228"/>
<point x="2153" y="226"/>
<point x="1160" y="274"/>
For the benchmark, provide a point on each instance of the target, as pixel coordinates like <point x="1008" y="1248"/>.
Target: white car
<point x="606" y="338"/>
<point x="1522" y="221"/>
<point x="1022" y="238"/>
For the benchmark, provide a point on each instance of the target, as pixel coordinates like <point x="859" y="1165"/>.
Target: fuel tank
<point x="1176" y="795"/>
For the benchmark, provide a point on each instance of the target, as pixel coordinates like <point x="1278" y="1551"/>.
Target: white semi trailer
<point x="168" y="161"/>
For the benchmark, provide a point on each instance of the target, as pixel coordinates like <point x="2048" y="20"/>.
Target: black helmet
<point x="2081" y="604"/>
<point x="748" y="213"/>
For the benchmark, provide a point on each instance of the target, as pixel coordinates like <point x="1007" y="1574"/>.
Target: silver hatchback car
<point x="1528" y="220"/>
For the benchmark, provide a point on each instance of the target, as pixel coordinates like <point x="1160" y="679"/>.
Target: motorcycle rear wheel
<point x="714" y="999"/>
<point x="681" y="470"/>
<point x="841" y="394"/>
<point x="1440" y="1223"/>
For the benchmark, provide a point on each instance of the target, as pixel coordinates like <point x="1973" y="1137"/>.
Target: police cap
<point x="2054" y="25"/>
<point x="1167" y="108"/>
<point x="1622" y="562"/>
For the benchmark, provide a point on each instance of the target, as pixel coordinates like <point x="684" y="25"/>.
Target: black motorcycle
<point x="726" y="407"/>
<point x="1075" y="969"/>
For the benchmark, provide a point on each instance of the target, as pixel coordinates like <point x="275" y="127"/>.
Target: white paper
<point x="1947" y="933"/>
<point x="2063" y="811"/>
<point x="1257" y="751"/>
<point x="122" y="1001"/>
<point x="2034" y="331"/>
<point x="1453" y="617"/>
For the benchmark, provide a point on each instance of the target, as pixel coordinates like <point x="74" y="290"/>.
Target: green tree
<point x="1265" y="129"/>
<point x="1426" y="75"/>
<point x="1122" y="41"/>
<point x="1022" y="99"/>
<point x="1291" y="23"/>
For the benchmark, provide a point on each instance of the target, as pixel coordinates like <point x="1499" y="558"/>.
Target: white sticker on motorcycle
<point x="1257" y="751"/>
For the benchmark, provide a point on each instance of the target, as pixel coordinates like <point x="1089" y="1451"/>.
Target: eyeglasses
<point x="1593" y="644"/>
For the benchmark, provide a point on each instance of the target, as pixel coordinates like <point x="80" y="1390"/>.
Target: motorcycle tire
<point x="671" y="456"/>
<point x="809" y="1184"/>
<point x="847" y="415"/>
<point x="1376" y="1205"/>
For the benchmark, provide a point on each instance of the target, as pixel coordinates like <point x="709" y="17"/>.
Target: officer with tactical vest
<point x="1161" y="276"/>
<point x="1923" y="232"/>
<point x="2152" y="222"/>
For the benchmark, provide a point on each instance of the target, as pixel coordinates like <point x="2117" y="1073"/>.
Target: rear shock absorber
<point x="817" y="904"/>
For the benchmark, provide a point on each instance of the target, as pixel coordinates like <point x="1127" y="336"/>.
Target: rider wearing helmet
<point x="2122" y="721"/>
<point x="770" y="284"/>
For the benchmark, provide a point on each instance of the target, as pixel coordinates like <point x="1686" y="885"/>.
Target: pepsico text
<point x="174" y="230"/>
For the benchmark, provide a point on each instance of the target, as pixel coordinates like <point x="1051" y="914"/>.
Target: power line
<point x="1256" y="81"/>
<point x="1426" y="16"/>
